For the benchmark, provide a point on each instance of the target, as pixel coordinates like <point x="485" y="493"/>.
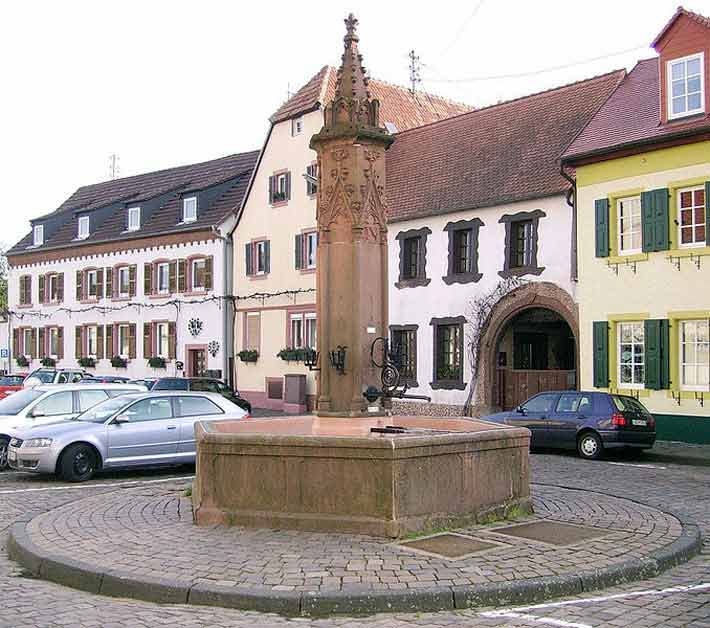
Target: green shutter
<point x="654" y="220"/>
<point x="707" y="213"/>
<point x="657" y="354"/>
<point x="601" y="226"/>
<point x="601" y="354"/>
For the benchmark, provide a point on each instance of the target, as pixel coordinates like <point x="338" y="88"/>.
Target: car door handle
<point x="172" y="427"/>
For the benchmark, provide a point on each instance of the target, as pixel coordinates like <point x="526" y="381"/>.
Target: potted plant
<point x="292" y="355"/>
<point x="157" y="362"/>
<point x="21" y="360"/>
<point x="86" y="362"/>
<point x="248" y="355"/>
<point x="49" y="362"/>
<point x="118" y="362"/>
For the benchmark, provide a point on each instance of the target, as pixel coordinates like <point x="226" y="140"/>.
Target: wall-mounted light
<point x="337" y="359"/>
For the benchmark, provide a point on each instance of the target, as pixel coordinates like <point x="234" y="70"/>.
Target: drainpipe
<point x="571" y="198"/>
<point x="227" y="324"/>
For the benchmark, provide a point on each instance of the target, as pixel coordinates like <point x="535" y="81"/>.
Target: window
<point x="198" y="274"/>
<point x="411" y="257"/>
<point x="311" y="245"/>
<point x="540" y="403"/>
<point x="303" y="331"/>
<point x="189" y="209"/>
<point x="196" y="406"/>
<point x="27" y="341"/>
<point x="83" y="230"/>
<point x="161" y="336"/>
<point x="53" y="341"/>
<point x="92" y="283"/>
<point x="253" y="331"/>
<point x="163" y="273"/>
<point x="296" y="126"/>
<point x="260" y="257"/>
<point x="629" y="225"/>
<point x="89" y="398"/>
<point x="123" y="341"/>
<point x="279" y="187"/>
<point x="134" y="218"/>
<point x="312" y="179"/>
<point x="92" y="345"/>
<point x="25" y="290"/>
<point x="404" y="352"/>
<point x="204" y="385"/>
<point x="691" y="223"/>
<point x="281" y="181"/>
<point x="521" y="244"/>
<point x="150" y="410"/>
<point x="695" y="355"/>
<point x="124" y="285"/>
<point x="462" y="254"/>
<point x="448" y="352"/>
<point x="56" y="404"/>
<point x="38" y="235"/>
<point x="53" y="287"/>
<point x="463" y="251"/>
<point x="686" y="89"/>
<point x="574" y="402"/>
<point x="631" y="354"/>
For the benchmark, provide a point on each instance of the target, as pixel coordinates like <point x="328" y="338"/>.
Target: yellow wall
<point x="657" y="289"/>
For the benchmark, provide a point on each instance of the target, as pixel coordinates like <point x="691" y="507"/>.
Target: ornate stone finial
<point x="352" y="82"/>
<point x="351" y="24"/>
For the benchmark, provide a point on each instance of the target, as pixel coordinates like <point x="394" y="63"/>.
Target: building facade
<point x="643" y="182"/>
<point x="133" y="276"/>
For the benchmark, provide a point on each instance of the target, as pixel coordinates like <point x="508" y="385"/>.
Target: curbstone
<point x="70" y="573"/>
<point x="21" y="549"/>
<point x="212" y="594"/>
<point x="622" y="573"/>
<point x="377" y="601"/>
<point x="158" y="590"/>
<point x="516" y="593"/>
<point x="685" y="547"/>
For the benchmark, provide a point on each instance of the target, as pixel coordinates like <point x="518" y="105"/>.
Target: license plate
<point x="12" y="456"/>
<point x="639" y="422"/>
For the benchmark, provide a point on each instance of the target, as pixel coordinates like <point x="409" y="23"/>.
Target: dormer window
<point x="83" y="231"/>
<point x="296" y="126"/>
<point x="134" y="218"/>
<point x="189" y="209"/>
<point x="38" y="235"/>
<point x="686" y="89"/>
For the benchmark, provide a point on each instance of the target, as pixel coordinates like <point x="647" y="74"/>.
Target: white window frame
<point x="296" y="126"/>
<point x="296" y="329"/>
<point x="119" y="274"/>
<point x="92" y="277"/>
<point x="694" y="224"/>
<point x="163" y="267"/>
<point x="53" y="333"/>
<point x="281" y="184"/>
<point x="53" y="288"/>
<point x="27" y="342"/>
<point x="638" y="229"/>
<point x="38" y="235"/>
<point x="669" y="86"/>
<point x="193" y="274"/>
<point x="302" y="323"/>
<point x="83" y="228"/>
<point x="681" y="355"/>
<point x="189" y="203"/>
<point x="92" y="337"/>
<point x="260" y="257"/>
<point x="134" y="218"/>
<point x="162" y="338"/>
<point x="257" y="344"/>
<point x="311" y="239"/>
<point x="619" y="333"/>
<point x="124" y="334"/>
<point x="309" y="324"/>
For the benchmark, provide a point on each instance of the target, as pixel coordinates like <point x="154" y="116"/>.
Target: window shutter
<point x="147" y="340"/>
<point x="15" y="342"/>
<point x="288" y="186"/>
<point x="109" y="341"/>
<point x="600" y="340"/>
<point x="132" y="280"/>
<point x="707" y="213"/>
<point x="181" y="275"/>
<point x="172" y="277"/>
<point x="654" y="220"/>
<point x="42" y="294"/>
<point x="172" y="340"/>
<point x="78" y="341"/>
<point x="148" y="279"/>
<point x="601" y="226"/>
<point x="299" y="251"/>
<point x="657" y="354"/>
<point x="99" y="283"/>
<point x="132" y="341"/>
<point x="33" y="348"/>
<point x="267" y="257"/>
<point x="60" y="343"/>
<point x="60" y="287"/>
<point x="248" y="260"/>
<point x="79" y="285"/>
<point x="42" y="343"/>
<point x="209" y="262"/>
<point x="99" y="342"/>
<point x="271" y="189"/>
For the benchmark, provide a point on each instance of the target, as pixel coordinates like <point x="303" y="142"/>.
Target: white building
<point x="132" y="276"/>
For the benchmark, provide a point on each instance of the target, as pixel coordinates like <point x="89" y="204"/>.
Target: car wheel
<point x="78" y="463"/>
<point x="589" y="446"/>
<point x="4" y="442"/>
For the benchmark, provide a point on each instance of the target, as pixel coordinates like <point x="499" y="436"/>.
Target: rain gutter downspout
<point x="571" y="198"/>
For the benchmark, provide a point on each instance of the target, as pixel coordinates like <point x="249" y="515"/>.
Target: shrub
<point x="86" y="362"/>
<point x="49" y="362"/>
<point x="21" y="360"/>
<point x="118" y="362"/>
<point x="157" y="362"/>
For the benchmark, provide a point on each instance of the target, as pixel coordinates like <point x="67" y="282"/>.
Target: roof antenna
<point x="114" y="169"/>
<point x="288" y="91"/>
<point x="414" y="68"/>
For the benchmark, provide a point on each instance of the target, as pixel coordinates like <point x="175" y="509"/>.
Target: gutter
<point x="571" y="198"/>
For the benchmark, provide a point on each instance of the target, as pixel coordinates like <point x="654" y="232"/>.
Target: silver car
<point x="134" y="430"/>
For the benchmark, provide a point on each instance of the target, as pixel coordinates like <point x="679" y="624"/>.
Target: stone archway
<point x="533" y="295"/>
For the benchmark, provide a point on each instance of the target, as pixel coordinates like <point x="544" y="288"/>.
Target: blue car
<point x="589" y="422"/>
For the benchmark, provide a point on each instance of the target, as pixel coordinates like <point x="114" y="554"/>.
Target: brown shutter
<point x="209" y="261"/>
<point x="109" y="283"/>
<point x="60" y="343"/>
<point x="42" y="348"/>
<point x="132" y="270"/>
<point x="172" y="277"/>
<point x="248" y="258"/>
<point x="79" y="285"/>
<point x="147" y="340"/>
<point x="100" y="283"/>
<point x="288" y="186"/>
<point x="182" y="270"/>
<point x="99" y="342"/>
<point x="132" y="341"/>
<point x="109" y="341"/>
<point x="147" y="278"/>
<point x="78" y="341"/>
<point x="272" y="181"/>
<point x="172" y="341"/>
<point x="33" y="348"/>
<point x="42" y="294"/>
<point x="60" y="287"/>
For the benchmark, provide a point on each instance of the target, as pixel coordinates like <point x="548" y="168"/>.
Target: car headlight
<point x="38" y="442"/>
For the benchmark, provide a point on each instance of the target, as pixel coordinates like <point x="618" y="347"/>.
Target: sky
<point x="165" y="83"/>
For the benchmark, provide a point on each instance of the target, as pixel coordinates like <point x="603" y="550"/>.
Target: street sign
<point x="4" y="353"/>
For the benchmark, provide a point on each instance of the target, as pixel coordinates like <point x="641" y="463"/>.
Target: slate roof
<point x="397" y="104"/>
<point x="499" y="154"/>
<point x="631" y="117"/>
<point x="140" y="188"/>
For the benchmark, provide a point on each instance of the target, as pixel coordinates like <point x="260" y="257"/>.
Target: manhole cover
<point x="551" y="532"/>
<point x="449" y="545"/>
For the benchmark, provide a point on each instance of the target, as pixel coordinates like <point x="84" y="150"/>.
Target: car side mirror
<point x="37" y="414"/>
<point x="521" y="410"/>
<point x="122" y="418"/>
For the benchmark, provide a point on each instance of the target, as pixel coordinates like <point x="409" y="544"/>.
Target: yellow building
<point x="642" y="168"/>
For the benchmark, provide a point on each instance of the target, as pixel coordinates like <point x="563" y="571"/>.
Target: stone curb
<point x="356" y="601"/>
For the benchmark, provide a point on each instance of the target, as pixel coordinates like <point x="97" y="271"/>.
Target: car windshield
<point x="106" y="409"/>
<point x="628" y="404"/>
<point x="16" y="403"/>
<point x="170" y="384"/>
<point x="46" y="377"/>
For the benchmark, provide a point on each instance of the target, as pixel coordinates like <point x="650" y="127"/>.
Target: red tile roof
<point x="696" y="17"/>
<point x="397" y="104"/>
<point x="631" y="117"/>
<point x="504" y="153"/>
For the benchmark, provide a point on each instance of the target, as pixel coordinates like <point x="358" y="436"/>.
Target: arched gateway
<point x="529" y="344"/>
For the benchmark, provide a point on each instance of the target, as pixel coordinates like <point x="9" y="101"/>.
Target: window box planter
<point x="292" y="355"/>
<point x="278" y="197"/>
<point x="251" y="355"/>
<point x="118" y="362"/>
<point x="86" y="362"/>
<point x="157" y="362"/>
<point x="49" y="362"/>
<point x="21" y="360"/>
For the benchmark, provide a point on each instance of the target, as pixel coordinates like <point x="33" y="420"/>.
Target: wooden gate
<point x="514" y="387"/>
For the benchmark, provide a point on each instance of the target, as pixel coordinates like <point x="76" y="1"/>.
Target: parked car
<point x="202" y="384"/>
<point x="589" y="422"/>
<point x="133" y="430"/>
<point x="11" y="383"/>
<point x="50" y="403"/>
<point x="148" y="382"/>
<point x="54" y="376"/>
<point x="90" y="378"/>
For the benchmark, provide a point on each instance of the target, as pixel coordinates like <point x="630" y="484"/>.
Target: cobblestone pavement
<point x="662" y="601"/>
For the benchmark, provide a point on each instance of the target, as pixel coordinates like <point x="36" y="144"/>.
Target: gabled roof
<point x="631" y="117"/>
<point x="397" y="104"/>
<point x="233" y="171"/>
<point x="695" y="17"/>
<point x="503" y="153"/>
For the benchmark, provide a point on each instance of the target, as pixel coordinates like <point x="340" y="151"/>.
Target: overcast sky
<point x="164" y="83"/>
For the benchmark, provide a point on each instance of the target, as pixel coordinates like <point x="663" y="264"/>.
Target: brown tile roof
<point x="631" y="117"/>
<point x="500" y="154"/>
<point x="397" y="104"/>
<point x="696" y="17"/>
<point x="138" y="189"/>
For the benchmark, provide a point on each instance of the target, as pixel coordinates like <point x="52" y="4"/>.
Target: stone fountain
<point x="353" y="467"/>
